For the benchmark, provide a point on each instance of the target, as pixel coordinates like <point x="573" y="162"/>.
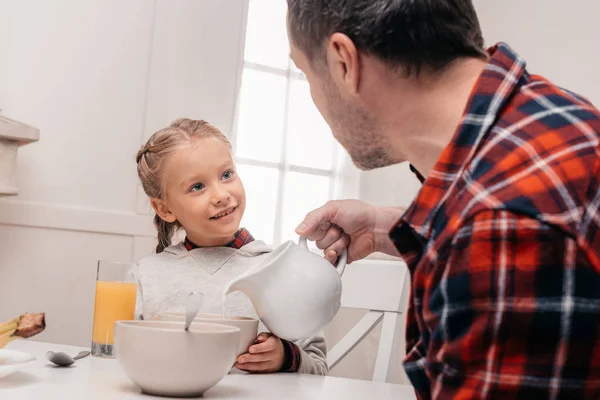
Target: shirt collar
<point x="242" y="238"/>
<point x="417" y="173"/>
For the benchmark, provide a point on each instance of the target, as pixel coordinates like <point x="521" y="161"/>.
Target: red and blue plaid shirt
<point x="292" y="356"/>
<point x="503" y="247"/>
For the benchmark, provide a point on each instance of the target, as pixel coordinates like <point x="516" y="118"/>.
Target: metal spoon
<point x="195" y="301"/>
<point x="64" y="360"/>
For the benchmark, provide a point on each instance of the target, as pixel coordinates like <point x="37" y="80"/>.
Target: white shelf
<point x="13" y="134"/>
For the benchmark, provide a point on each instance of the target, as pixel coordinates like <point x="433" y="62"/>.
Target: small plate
<point x="11" y="361"/>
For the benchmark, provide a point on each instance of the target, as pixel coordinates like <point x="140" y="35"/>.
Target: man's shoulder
<point x="543" y="114"/>
<point x="541" y="156"/>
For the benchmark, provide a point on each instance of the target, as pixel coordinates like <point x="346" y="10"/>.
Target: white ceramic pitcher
<point x="295" y="292"/>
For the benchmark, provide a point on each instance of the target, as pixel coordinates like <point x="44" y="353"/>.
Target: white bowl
<point x="165" y="360"/>
<point x="248" y="326"/>
<point x="12" y="361"/>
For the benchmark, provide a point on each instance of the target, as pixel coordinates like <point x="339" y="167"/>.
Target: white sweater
<point x="166" y="279"/>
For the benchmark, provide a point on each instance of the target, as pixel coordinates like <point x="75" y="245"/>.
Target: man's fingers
<point x="331" y="256"/>
<point x="321" y="231"/>
<point x="337" y="248"/>
<point x="317" y="220"/>
<point x="333" y="234"/>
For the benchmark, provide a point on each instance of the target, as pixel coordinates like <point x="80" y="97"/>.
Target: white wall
<point x="395" y="185"/>
<point x="559" y="39"/>
<point x="97" y="77"/>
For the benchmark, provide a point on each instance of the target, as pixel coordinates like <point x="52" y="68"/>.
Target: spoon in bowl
<point x="194" y="302"/>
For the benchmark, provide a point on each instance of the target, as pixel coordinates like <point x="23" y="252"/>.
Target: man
<point x="503" y="240"/>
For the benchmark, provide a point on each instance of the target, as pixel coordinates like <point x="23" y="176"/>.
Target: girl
<point x="188" y="173"/>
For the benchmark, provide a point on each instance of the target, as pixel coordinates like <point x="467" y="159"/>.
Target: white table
<point x="93" y="378"/>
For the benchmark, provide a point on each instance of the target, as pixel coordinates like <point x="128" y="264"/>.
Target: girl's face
<point x="203" y="192"/>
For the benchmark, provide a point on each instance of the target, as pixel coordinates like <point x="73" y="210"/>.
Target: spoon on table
<point x="194" y="302"/>
<point x="64" y="360"/>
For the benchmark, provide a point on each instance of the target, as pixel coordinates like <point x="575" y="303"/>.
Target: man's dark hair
<point x="407" y="34"/>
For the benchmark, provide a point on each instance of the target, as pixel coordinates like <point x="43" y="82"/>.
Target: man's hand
<point x="359" y="226"/>
<point x="267" y="355"/>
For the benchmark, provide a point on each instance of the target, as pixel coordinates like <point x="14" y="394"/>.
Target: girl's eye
<point x="197" y="187"/>
<point x="227" y="175"/>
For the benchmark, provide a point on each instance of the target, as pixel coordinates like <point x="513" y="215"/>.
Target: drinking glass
<point x="116" y="289"/>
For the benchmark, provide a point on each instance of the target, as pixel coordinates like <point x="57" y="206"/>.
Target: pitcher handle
<point x="303" y="242"/>
<point x="341" y="262"/>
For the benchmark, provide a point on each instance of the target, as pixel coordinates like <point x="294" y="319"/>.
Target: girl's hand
<point x="267" y="355"/>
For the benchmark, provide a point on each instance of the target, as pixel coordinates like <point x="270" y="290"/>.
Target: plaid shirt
<point x="291" y="362"/>
<point x="503" y="247"/>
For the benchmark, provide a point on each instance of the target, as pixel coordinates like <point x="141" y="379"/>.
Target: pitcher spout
<point x="250" y="283"/>
<point x="234" y="286"/>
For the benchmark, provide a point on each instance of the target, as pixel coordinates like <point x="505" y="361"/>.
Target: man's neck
<point x="432" y="107"/>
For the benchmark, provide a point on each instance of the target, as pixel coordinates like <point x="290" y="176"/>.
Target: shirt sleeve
<point x="309" y="359"/>
<point x="291" y="361"/>
<point x="516" y="311"/>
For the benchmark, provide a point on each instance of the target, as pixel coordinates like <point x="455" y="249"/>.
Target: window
<point x="285" y="153"/>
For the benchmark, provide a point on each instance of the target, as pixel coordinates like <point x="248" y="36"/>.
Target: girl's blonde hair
<point x="153" y="156"/>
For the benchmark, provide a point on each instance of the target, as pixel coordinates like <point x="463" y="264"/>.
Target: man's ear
<point x="162" y="210"/>
<point x="343" y="62"/>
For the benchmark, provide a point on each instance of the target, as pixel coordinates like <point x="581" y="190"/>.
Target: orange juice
<point x="115" y="301"/>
